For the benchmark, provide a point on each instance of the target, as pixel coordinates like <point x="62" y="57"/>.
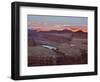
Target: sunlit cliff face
<point x="84" y="29"/>
<point x="73" y="29"/>
<point x="76" y="29"/>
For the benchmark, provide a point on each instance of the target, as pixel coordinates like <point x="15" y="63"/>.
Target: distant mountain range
<point x="73" y="29"/>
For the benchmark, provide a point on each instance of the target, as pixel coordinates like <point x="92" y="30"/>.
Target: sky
<point x="57" y="22"/>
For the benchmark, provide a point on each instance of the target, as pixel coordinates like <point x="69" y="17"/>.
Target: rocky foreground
<point x="65" y="54"/>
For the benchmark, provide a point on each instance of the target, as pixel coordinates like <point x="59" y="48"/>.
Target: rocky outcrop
<point x="41" y="56"/>
<point x="69" y="50"/>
